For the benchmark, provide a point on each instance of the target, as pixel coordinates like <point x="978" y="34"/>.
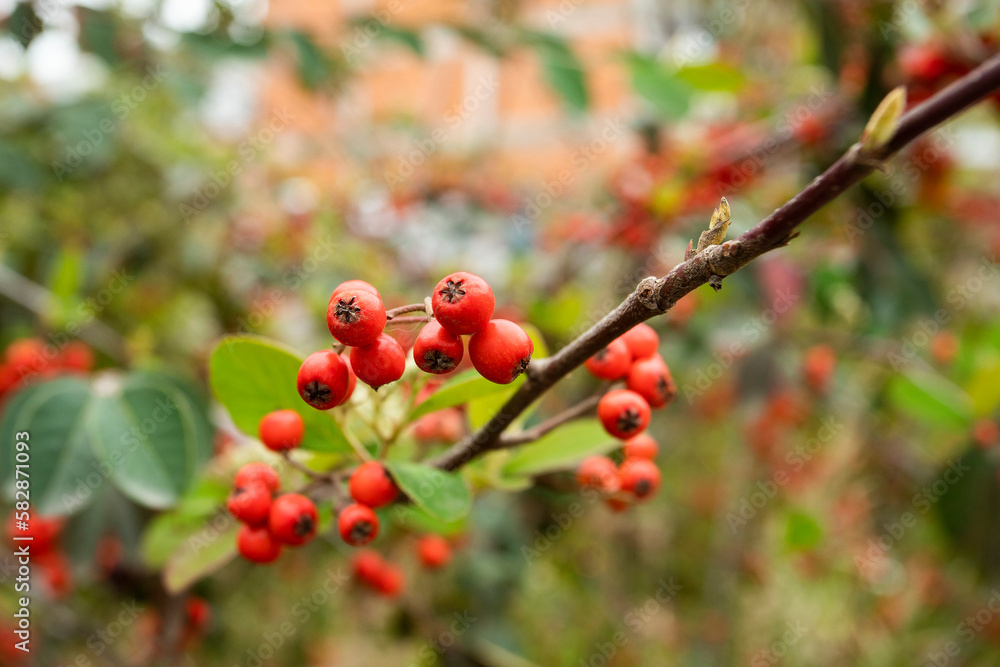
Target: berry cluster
<point x="384" y="577"/>
<point x="462" y="304"/>
<point x="270" y="521"/>
<point x="29" y="358"/>
<point x="625" y="414"/>
<point x="633" y="357"/>
<point x="635" y="480"/>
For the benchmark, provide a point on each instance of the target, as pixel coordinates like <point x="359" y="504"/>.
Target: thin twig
<point x="309" y="472"/>
<point x="655" y="296"/>
<point x="536" y="432"/>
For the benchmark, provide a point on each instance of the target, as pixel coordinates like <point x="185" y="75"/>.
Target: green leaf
<point x="563" y="70"/>
<point x="252" y="376"/>
<point x="560" y="449"/>
<point x="669" y="95"/>
<point x="97" y="34"/>
<point x="462" y="388"/>
<point x="138" y="431"/>
<point x="443" y="495"/>
<point x="314" y="67"/>
<point x="802" y="532"/>
<point x="415" y="519"/>
<point x="712" y="77"/>
<point x="144" y="433"/>
<point x="24" y="23"/>
<point x="930" y="398"/>
<point x="200" y="555"/>
<point x="55" y="415"/>
<point x="984" y="389"/>
<point x="481" y="39"/>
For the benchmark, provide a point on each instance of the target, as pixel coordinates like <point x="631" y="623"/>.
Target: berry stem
<point x="409" y="308"/>
<point x="655" y="296"/>
<point x="309" y="472"/>
<point x="409" y="320"/>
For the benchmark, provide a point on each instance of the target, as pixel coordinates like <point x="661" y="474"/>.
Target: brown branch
<point x="536" y="432"/>
<point x="408" y="320"/>
<point x="655" y="296"/>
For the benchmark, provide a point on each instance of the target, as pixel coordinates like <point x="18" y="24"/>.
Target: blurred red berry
<point x="281" y="430"/>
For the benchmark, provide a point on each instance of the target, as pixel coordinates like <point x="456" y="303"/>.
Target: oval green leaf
<point x="442" y="495"/>
<point x="560" y="449"/>
<point x="252" y="376"/>
<point x="462" y="388"/>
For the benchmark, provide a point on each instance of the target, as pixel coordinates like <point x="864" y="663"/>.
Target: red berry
<point x="624" y="413"/>
<point x="257" y="472"/>
<point x="27" y="356"/>
<point x="44" y="530"/>
<point x="368" y="566"/>
<point x="57" y="572"/>
<point x="612" y="362"/>
<point x="257" y="545"/>
<point x="324" y="380"/>
<point x="434" y="551"/>
<point x="380" y="363"/>
<point x="391" y="581"/>
<point x="640" y="477"/>
<point x="500" y="351"/>
<point x="371" y="485"/>
<point x="598" y="472"/>
<point x="436" y="350"/>
<point x="77" y="356"/>
<point x="358" y="525"/>
<point x="293" y="519"/>
<point x="250" y="504"/>
<point x="818" y="366"/>
<point x="281" y="430"/>
<point x="641" y="446"/>
<point x="356" y="317"/>
<point x="922" y="61"/>
<point x="198" y="612"/>
<point x="642" y="341"/>
<point x="355" y="285"/>
<point x="617" y="504"/>
<point x="651" y="379"/>
<point x="463" y="303"/>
